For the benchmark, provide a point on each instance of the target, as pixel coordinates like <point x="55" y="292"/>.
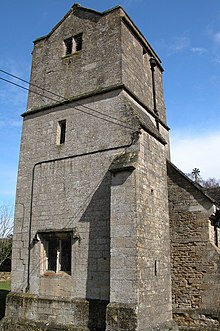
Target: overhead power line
<point x="108" y="118"/>
<point x="59" y="96"/>
<point x="25" y="88"/>
<point x="31" y="84"/>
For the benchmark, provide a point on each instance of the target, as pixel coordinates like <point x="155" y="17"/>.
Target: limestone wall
<point x="136" y="72"/>
<point x="103" y="184"/>
<point x="153" y="243"/>
<point x="195" y="258"/>
<point x="94" y="67"/>
<point x="70" y="186"/>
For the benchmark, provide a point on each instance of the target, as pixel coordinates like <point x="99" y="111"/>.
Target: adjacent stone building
<point x="195" y="256"/>
<point x="96" y="221"/>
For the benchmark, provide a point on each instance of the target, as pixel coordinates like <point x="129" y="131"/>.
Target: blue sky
<point x="186" y="36"/>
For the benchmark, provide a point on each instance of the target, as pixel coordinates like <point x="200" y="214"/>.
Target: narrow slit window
<point x="62" y="132"/>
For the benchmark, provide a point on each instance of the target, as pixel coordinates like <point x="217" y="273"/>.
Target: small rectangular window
<point x="73" y="44"/>
<point x="57" y="252"/>
<point x="61" y="132"/>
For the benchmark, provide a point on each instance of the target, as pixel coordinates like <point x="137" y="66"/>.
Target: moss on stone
<point x="8" y="324"/>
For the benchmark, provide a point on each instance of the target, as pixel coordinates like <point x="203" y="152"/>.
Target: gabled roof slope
<point x="214" y="193"/>
<point x="186" y="183"/>
<point x="127" y="20"/>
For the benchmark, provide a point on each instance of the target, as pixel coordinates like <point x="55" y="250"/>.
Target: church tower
<point x="91" y="241"/>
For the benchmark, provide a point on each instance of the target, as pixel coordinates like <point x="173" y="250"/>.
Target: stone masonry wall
<point x="123" y="287"/>
<point x="57" y="183"/>
<point x="64" y="198"/>
<point x="153" y="242"/>
<point x="137" y="74"/>
<point x="95" y="67"/>
<point x="111" y="55"/>
<point x="29" y="312"/>
<point x="195" y="258"/>
<point x="70" y="189"/>
<point x="119" y="277"/>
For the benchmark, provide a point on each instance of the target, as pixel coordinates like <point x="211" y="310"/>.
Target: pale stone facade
<point x="195" y="254"/>
<point x="92" y="233"/>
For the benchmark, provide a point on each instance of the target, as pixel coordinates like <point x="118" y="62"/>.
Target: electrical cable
<point x="65" y="99"/>
<point x="24" y="88"/>
<point x="31" y="84"/>
<point x="74" y="107"/>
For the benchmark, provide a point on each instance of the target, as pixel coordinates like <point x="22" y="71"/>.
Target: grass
<point x="4" y="290"/>
<point x="5" y="286"/>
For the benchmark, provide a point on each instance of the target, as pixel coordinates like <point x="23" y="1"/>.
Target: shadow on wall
<point x="3" y="294"/>
<point x="98" y="272"/>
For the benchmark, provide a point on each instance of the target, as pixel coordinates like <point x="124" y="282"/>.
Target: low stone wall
<point x="5" y="276"/>
<point x="28" y="312"/>
<point x="197" y="320"/>
<point x="50" y="312"/>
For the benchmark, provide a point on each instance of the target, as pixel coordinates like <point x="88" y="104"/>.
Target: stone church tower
<point x="91" y="240"/>
<point x="103" y="219"/>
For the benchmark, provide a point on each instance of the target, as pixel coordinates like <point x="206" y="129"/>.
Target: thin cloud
<point x="10" y="123"/>
<point x="216" y="37"/>
<point x="199" y="50"/>
<point x="12" y="104"/>
<point x="179" y="44"/>
<point x="174" y="45"/>
<point x="201" y="152"/>
<point x="10" y="94"/>
<point x="8" y="181"/>
<point x="216" y="59"/>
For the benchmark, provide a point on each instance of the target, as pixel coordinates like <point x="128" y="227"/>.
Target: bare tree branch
<point x="206" y="183"/>
<point x="6" y="230"/>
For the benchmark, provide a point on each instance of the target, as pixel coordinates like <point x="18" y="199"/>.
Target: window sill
<point x="53" y="274"/>
<point x="70" y="55"/>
